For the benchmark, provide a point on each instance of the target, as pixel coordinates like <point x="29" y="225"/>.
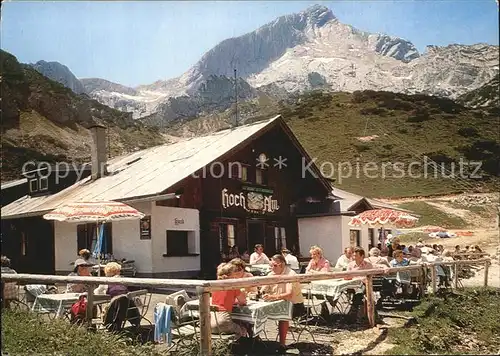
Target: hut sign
<point x="252" y="202"/>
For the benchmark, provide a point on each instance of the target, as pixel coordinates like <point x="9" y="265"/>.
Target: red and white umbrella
<point x="97" y="212"/>
<point x="383" y="217"/>
<point x="103" y="211"/>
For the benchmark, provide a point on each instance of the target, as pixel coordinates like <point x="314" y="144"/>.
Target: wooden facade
<point x="244" y="200"/>
<point x="29" y="243"/>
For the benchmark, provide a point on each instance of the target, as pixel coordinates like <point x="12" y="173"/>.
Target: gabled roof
<point x="349" y="200"/>
<point x="150" y="172"/>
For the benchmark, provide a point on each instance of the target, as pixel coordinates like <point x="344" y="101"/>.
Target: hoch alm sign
<point x="252" y="201"/>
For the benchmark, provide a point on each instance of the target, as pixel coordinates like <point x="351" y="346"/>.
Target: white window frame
<point x="45" y="185"/>
<point x="35" y="188"/>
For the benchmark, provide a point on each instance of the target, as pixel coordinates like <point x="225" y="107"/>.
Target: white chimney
<point x="99" y="155"/>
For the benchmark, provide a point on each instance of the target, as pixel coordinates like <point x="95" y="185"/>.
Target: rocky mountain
<point x="487" y="95"/>
<point x="43" y="120"/>
<point x="306" y="51"/>
<point x="139" y="102"/>
<point x="61" y="74"/>
<point x="217" y="93"/>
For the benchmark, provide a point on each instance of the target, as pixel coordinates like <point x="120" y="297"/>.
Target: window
<point x="227" y="237"/>
<point x="238" y="170"/>
<point x="180" y="243"/>
<point x="261" y="176"/>
<point x="87" y="237"/>
<point x="43" y="183"/>
<point x="33" y="185"/>
<point x="38" y="184"/>
<point x="355" y="238"/>
<point x="280" y="238"/>
<point x="371" y="236"/>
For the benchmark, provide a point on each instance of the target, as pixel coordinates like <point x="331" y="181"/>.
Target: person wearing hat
<point x="81" y="268"/>
<point x="290" y="259"/>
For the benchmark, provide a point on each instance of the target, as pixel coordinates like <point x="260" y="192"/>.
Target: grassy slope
<point x="467" y="323"/>
<point x="25" y="333"/>
<point x="408" y="127"/>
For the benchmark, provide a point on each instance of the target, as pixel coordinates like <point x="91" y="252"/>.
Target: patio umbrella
<point x="99" y="212"/>
<point x="383" y="217"/>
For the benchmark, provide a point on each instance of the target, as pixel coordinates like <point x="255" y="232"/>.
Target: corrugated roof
<point x="143" y="173"/>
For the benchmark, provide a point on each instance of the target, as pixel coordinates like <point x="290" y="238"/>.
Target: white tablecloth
<point x="334" y="287"/>
<point x="255" y="312"/>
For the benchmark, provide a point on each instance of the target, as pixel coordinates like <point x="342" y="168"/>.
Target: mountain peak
<point x="319" y="14"/>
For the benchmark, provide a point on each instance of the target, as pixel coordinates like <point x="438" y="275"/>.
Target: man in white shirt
<point x="290" y="259"/>
<point x="345" y="259"/>
<point x="259" y="257"/>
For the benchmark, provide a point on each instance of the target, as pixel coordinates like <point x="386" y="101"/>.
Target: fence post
<point x="370" y="308"/>
<point x="455" y="274"/>
<point x="423" y="280"/>
<point x="486" y="267"/>
<point x="90" y="304"/>
<point x="433" y="275"/>
<point x="205" y="329"/>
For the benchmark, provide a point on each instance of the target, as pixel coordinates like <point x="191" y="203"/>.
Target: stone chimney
<point x="99" y="154"/>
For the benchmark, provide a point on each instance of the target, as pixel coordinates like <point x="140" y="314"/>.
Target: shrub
<point x="361" y="147"/>
<point x="467" y="131"/>
<point x="28" y="334"/>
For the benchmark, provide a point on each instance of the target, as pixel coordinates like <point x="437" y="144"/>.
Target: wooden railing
<point x="204" y="287"/>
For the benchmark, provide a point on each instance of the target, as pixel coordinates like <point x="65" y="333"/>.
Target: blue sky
<point x="136" y="43"/>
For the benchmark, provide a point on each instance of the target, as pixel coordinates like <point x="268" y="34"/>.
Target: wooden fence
<point x="204" y="287"/>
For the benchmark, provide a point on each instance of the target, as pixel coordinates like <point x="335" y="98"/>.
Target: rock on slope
<point x="43" y="120"/>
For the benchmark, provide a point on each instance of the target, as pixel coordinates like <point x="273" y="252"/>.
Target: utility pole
<point x="236" y="98"/>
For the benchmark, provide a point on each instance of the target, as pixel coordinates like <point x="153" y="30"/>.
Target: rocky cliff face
<point x="61" y="74"/>
<point x="310" y="50"/>
<point x="487" y="95"/>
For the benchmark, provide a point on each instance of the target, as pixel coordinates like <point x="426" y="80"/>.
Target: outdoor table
<point x="255" y="312"/>
<point x="263" y="268"/>
<point x="58" y="303"/>
<point x="334" y="288"/>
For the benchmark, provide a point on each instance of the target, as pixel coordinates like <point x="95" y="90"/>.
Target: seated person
<point x="82" y="268"/>
<point x="285" y="291"/>
<point x="376" y="260"/>
<point x="234" y="253"/>
<point x="86" y="255"/>
<point x="318" y="263"/>
<point x="259" y="257"/>
<point x="245" y="255"/>
<point x="112" y="269"/>
<point x="359" y="263"/>
<point x="345" y="259"/>
<point x="9" y="289"/>
<point x="242" y="273"/>
<point x="220" y="321"/>
<point x="400" y="261"/>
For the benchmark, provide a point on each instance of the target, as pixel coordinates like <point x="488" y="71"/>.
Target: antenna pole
<point x="236" y="97"/>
